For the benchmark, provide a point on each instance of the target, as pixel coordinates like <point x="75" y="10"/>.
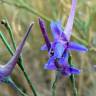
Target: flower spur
<point x="6" y="70"/>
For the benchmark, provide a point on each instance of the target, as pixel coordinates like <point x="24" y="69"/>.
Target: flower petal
<point x="74" y="70"/>
<point x="51" y="60"/>
<point x="56" y="28"/>
<point x="77" y="47"/>
<point x="67" y="70"/>
<point x="50" y="64"/>
<point x="64" y="60"/>
<point x="44" y="47"/>
<point x="58" y="51"/>
<point x="69" y="25"/>
<point x="63" y="36"/>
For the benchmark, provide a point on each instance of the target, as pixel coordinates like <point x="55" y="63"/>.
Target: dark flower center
<point x="51" y="52"/>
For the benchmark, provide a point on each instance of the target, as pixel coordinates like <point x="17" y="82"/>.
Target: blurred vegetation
<point x="20" y="13"/>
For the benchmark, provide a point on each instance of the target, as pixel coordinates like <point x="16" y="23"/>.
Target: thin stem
<point x="74" y="85"/>
<point x="6" y="43"/>
<point x="54" y="84"/>
<point x="27" y="77"/>
<point x="20" y="62"/>
<point x="8" y="27"/>
<point x="72" y="78"/>
<point x="9" y="81"/>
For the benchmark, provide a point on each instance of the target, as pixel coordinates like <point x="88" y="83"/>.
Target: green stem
<point x="20" y="62"/>
<point x="8" y="27"/>
<point x="6" y="43"/>
<point x="26" y="75"/>
<point x="9" y="81"/>
<point x="54" y="84"/>
<point x="72" y="78"/>
<point x="74" y="85"/>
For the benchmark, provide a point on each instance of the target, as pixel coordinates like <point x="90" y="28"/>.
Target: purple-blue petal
<point x="56" y="28"/>
<point x="77" y="47"/>
<point x="63" y="36"/>
<point x="50" y="64"/>
<point x="64" y="60"/>
<point x="44" y="47"/>
<point x="58" y="51"/>
<point x="51" y="60"/>
<point x="74" y="70"/>
<point x="67" y="70"/>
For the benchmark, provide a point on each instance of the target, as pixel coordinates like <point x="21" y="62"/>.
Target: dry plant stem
<point x="72" y="78"/>
<point x="20" y="64"/>
<point x="10" y="82"/>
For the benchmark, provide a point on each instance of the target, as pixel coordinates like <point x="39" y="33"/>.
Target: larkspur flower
<point x="6" y="70"/>
<point x="62" y="41"/>
<point x="60" y="64"/>
<point x="61" y="46"/>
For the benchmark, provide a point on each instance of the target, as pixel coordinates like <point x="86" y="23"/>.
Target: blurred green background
<point x="20" y="13"/>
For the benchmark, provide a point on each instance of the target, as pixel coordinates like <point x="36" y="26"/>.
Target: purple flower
<point x="60" y="64"/>
<point x="61" y="46"/>
<point x="62" y="41"/>
<point x="6" y="70"/>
